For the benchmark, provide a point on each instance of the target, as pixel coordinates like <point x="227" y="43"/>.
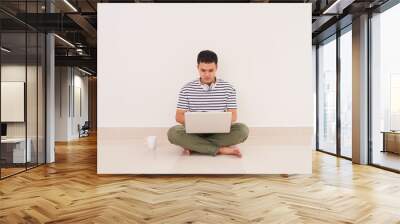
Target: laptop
<point x="208" y="122"/>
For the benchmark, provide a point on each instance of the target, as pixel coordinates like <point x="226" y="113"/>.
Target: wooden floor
<point x="70" y="191"/>
<point x="5" y="172"/>
<point x="8" y="171"/>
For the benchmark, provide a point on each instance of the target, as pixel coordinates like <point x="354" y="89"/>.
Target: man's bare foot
<point x="186" y="152"/>
<point x="235" y="151"/>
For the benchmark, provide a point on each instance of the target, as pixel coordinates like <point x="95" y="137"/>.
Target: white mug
<point x="152" y="142"/>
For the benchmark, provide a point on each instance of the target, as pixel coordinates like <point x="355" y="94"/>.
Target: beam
<point x="82" y="61"/>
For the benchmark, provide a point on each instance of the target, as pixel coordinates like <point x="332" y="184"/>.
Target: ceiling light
<point x="65" y="41"/>
<point x="70" y="5"/>
<point x="5" y="50"/>
<point x="84" y="71"/>
<point x="331" y="7"/>
<point x="338" y="6"/>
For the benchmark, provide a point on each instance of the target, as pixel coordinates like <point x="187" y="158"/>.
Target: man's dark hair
<point x="207" y="56"/>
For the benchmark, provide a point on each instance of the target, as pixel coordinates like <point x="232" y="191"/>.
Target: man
<point x="208" y="94"/>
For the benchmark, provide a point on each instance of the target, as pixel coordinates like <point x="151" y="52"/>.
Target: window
<point x="327" y="96"/>
<point x="385" y="89"/>
<point x="346" y="93"/>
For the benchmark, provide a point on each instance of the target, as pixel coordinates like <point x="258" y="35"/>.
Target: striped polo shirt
<point x="220" y="97"/>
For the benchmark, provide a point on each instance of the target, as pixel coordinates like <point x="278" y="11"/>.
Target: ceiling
<point x="76" y="21"/>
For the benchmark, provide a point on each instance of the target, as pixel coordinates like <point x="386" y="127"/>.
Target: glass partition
<point x="22" y="67"/>
<point x="13" y="109"/>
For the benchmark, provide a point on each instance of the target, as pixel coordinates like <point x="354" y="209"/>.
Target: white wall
<point x="81" y="104"/>
<point x="147" y="52"/>
<point x="68" y="81"/>
<point x="61" y="103"/>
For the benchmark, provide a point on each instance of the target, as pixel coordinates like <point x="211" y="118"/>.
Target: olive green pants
<point x="207" y="143"/>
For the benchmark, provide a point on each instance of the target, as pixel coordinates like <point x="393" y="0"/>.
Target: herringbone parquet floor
<point x="70" y="191"/>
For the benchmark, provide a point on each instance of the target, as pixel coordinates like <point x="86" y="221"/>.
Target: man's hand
<point x="234" y="114"/>
<point x="180" y="116"/>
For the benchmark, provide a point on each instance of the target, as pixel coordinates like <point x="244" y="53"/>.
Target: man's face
<point x="207" y="72"/>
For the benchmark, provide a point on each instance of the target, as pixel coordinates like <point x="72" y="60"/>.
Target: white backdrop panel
<point x="147" y="52"/>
